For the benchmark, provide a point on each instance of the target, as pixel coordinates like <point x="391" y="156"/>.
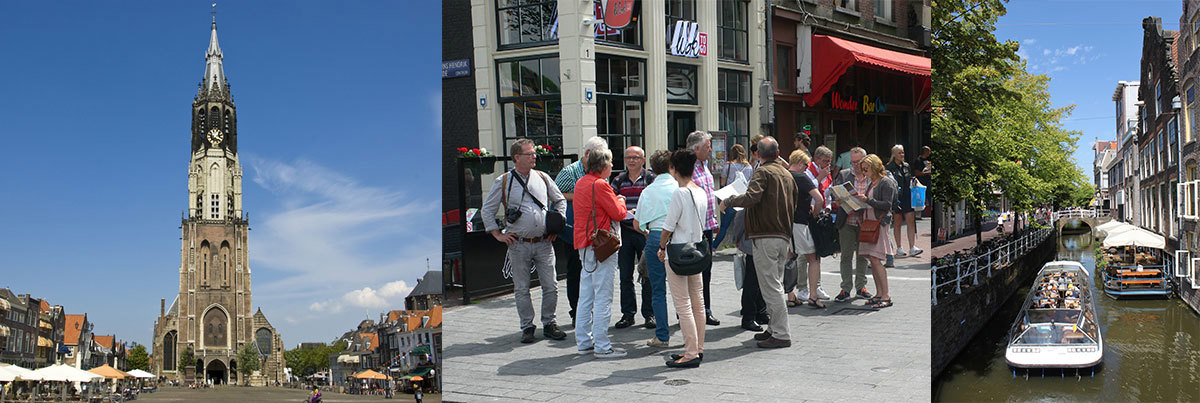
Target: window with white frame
<point x="851" y="5"/>
<point x="883" y="9"/>
<point x="215" y="207"/>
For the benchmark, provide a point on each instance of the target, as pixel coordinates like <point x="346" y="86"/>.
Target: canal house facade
<point x="1188" y="272"/>
<point x="1158" y="141"/>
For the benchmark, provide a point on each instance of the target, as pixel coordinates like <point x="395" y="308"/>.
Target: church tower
<point x="212" y="315"/>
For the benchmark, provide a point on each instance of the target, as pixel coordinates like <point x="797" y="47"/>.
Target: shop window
<point x="529" y="101"/>
<point x="526" y="23"/>
<point x="732" y="25"/>
<point x="733" y="98"/>
<point x="883" y="9"/>
<point x="620" y="107"/>
<point x="678" y="10"/>
<point x="681" y="83"/>
<point x="630" y="36"/>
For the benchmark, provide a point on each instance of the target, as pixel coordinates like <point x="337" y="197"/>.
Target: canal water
<point x="1151" y="352"/>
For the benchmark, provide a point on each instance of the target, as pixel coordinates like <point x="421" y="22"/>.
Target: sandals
<point x="816" y="303"/>
<point x="883" y="303"/>
<point x="792" y="302"/>
<point x="873" y="300"/>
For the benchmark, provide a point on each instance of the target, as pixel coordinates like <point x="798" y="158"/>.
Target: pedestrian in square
<point x="630" y="184"/>
<point x="853" y="266"/>
<point x="700" y="142"/>
<point x="685" y="225"/>
<point x="650" y="216"/>
<point x="566" y="184"/>
<point x="879" y="196"/>
<point x="903" y="212"/>
<point x="596" y="207"/>
<point x="770" y="200"/>
<point x="807" y="195"/>
<point x="735" y="162"/>
<point x="518" y="192"/>
<point x="754" y="308"/>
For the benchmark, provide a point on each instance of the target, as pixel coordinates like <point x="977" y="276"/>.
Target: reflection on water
<point x="1151" y="352"/>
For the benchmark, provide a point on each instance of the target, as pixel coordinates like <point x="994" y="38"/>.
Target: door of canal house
<point x="1151" y="352"/>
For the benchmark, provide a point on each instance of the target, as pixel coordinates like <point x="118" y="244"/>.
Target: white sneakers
<point x="802" y="294"/>
<point x="912" y="252"/>
<point x="821" y="293"/>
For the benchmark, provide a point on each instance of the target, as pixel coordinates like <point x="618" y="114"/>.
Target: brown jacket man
<point x="771" y="202"/>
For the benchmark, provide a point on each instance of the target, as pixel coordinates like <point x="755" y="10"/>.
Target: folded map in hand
<point x="735" y="187"/>
<point x="843" y="193"/>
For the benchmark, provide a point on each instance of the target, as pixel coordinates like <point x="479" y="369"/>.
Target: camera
<point x="512" y="214"/>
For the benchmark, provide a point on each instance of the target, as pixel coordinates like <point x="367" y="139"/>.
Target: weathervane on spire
<point x="214" y="13"/>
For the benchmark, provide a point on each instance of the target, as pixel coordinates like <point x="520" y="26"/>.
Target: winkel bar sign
<point x="688" y="41"/>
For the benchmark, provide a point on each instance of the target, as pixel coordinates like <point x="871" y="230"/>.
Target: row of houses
<point x="1147" y="175"/>
<point x="402" y="343"/>
<point x="36" y="334"/>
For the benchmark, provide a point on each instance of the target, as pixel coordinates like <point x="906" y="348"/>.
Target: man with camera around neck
<point x="519" y="193"/>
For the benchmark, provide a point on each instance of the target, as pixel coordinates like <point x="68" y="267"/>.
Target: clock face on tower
<point x="214" y="137"/>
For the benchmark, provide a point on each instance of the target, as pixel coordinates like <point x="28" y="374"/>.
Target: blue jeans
<point x="594" y="311"/>
<point x="632" y="245"/>
<point x="658" y="285"/>
<point x="726" y="218"/>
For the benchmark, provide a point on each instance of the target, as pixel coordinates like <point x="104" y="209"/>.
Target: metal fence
<point x="1080" y="213"/>
<point x="968" y="270"/>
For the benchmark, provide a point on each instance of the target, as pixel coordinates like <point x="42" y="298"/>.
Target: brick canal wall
<point x="958" y="317"/>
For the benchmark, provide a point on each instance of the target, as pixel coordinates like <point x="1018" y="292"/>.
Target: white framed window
<point x="1195" y="273"/>
<point x="849" y="5"/>
<point x="215" y="209"/>
<point x="883" y="9"/>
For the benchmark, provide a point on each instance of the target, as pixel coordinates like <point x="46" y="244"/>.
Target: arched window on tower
<point x="201" y="117"/>
<point x="214" y="118"/>
<point x="204" y="262"/>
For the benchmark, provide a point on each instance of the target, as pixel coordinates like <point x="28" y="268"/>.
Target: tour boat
<point x="1057" y="326"/>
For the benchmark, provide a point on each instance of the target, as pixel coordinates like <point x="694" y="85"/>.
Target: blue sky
<point x="1085" y="47"/>
<point x="339" y="111"/>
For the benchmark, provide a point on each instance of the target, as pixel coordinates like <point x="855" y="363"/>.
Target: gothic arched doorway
<point x="216" y="373"/>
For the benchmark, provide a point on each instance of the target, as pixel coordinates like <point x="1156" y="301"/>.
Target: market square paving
<point x="263" y="394"/>
<point x="843" y="353"/>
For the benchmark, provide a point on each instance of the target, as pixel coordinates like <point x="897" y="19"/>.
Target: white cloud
<point x="1045" y="52"/>
<point x="391" y="295"/>
<point x="333" y="235"/>
<point x="1029" y="41"/>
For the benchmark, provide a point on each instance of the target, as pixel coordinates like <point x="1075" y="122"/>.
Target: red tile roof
<point x="104" y="341"/>
<point x="372" y="340"/>
<point x="45" y="306"/>
<point x="74" y="325"/>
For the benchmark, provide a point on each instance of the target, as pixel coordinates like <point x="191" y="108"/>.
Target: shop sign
<point x="456" y="68"/>
<point x="866" y="106"/>
<point x="688" y="41"/>
<point x="617" y="13"/>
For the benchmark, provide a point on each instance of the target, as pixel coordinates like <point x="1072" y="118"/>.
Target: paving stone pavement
<point x="844" y="353"/>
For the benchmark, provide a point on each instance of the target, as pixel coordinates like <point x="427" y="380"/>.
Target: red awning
<point x="832" y="56"/>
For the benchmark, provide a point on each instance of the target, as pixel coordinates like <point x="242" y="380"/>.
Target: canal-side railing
<point x="967" y="270"/>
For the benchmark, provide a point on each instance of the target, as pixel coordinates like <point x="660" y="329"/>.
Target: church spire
<point x="214" y="73"/>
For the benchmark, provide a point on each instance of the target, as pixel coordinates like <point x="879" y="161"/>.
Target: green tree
<point x="310" y="360"/>
<point x="247" y="361"/>
<point x="138" y="358"/>
<point x="994" y="121"/>
<point x="188" y="359"/>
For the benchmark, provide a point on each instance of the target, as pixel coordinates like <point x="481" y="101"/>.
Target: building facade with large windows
<point x="555" y="73"/>
<point x="1188" y="188"/>
<point x="1159" y="128"/>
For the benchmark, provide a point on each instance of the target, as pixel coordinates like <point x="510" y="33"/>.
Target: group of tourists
<point x="659" y="221"/>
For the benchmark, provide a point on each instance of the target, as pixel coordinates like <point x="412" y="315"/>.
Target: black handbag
<point x="825" y="235"/>
<point x="690" y="258"/>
